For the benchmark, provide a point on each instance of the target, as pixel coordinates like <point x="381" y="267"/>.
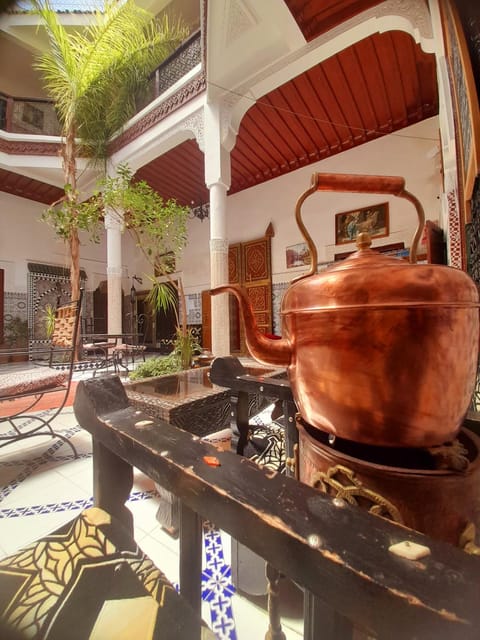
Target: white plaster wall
<point x="195" y="262"/>
<point x="409" y="153"/>
<point x="24" y="238"/>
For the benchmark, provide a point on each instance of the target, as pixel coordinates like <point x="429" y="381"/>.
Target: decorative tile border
<point x="217" y="585"/>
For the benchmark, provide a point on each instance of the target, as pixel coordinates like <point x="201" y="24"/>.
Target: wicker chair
<point x="52" y="373"/>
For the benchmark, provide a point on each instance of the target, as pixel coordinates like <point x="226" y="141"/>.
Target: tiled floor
<point x="42" y="486"/>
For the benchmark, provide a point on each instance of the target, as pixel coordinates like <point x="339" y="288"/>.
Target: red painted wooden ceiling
<point x="25" y="187"/>
<point x="375" y="87"/>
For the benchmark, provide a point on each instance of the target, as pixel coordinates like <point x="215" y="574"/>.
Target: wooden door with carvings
<point x="250" y="265"/>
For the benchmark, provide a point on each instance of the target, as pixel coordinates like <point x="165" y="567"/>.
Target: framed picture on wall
<point x="297" y="255"/>
<point x="372" y="220"/>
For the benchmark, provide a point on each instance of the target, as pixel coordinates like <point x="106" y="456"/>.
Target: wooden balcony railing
<point x="337" y="552"/>
<point x="38" y="117"/>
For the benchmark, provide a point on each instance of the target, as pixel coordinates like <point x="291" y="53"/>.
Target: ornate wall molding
<point x="454" y="231"/>
<point x="29" y="148"/>
<point x="415" y="11"/>
<point x="113" y="221"/>
<point x="159" y="113"/>
<point x="217" y="245"/>
<point x="115" y="271"/>
<point x="196" y="123"/>
<point x="240" y="19"/>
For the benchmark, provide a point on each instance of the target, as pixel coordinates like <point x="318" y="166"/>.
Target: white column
<point x="217" y="178"/>
<point x="114" y="227"/>
<point x="219" y="269"/>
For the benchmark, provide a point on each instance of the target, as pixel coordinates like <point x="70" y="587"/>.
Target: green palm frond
<point x="94" y="75"/>
<point x="162" y="296"/>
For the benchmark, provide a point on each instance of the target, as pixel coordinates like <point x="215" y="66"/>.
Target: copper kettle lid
<point x="369" y="279"/>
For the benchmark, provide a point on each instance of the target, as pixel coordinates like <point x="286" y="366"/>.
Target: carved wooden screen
<point x="206" y="321"/>
<point x="2" y="289"/>
<point x="235" y="270"/>
<point x="250" y="265"/>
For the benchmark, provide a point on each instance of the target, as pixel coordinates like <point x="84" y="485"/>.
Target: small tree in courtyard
<point x="94" y="76"/>
<point x="159" y="230"/>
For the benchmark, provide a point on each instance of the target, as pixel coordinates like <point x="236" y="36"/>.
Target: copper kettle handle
<point x="346" y="182"/>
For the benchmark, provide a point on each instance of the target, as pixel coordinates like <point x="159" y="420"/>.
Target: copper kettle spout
<point x="264" y="349"/>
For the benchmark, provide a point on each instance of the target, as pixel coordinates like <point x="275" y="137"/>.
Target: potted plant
<point x="49" y="315"/>
<point x="159" y="229"/>
<point x="173" y="363"/>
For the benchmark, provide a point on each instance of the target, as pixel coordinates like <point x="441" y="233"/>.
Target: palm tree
<point x="94" y="78"/>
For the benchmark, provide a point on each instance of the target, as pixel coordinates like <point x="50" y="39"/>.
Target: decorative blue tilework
<point x="217" y="586"/>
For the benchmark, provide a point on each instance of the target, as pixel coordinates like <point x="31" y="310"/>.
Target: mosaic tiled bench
<point x="89" y="579"/>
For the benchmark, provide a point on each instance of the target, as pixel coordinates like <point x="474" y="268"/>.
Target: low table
<point x="190" y="401"/>
<point x="186" y="399"/>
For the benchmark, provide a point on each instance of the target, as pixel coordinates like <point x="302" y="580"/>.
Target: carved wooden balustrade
<point x="337" y="553"/>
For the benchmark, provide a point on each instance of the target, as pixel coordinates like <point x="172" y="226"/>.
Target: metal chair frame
<point x="52" y="373"/>
<point x="123" y="353"/>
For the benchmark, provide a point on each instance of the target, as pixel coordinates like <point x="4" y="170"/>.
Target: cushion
<point x="90" y="580"/>
<point x="31" y="380"/>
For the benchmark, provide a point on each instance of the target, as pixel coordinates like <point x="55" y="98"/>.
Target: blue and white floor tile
<point x="43" y="486"/>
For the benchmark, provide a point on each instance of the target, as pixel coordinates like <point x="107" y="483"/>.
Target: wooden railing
<point x="338" y="553"/>
<point x="28" y="115"/>
<point x="36" y="116"/>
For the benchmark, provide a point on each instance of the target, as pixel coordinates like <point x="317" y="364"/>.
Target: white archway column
<point x="451" y="220"/>
<point x="219" y="269"/>
<point x="114" y="227"/>
<point x="217" y="179"/>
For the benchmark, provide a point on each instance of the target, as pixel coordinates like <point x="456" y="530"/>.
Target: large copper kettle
<point x="377" y="349"/>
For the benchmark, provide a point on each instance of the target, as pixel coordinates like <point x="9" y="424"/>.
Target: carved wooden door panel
<point x="257" y="279"/>
<point x="250" y="265"/>
<point x="2" y="280"/>
<point x="206" y="321"/>
<point x="237" y="341"/>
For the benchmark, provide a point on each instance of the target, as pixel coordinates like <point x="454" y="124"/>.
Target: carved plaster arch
<point x="410" y="16"/>
<point x="145" y="149"/>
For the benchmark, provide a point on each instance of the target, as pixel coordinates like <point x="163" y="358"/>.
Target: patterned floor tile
<point x="43" y="486"/>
